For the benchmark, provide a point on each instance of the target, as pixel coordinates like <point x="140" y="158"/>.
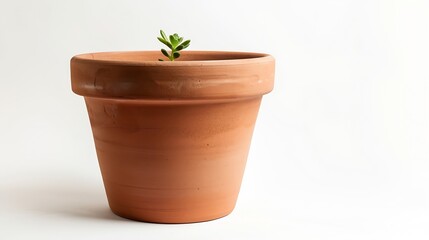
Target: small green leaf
<point x="165" y="52"/>
<point x="180" y="40"/>
<point x="185" y="46"/>
<point x="165" y="42"/>
<point x="159" y="59"/>
<point x="162" y="40"/>
<point x="187" y="42"/>
<point x="173" y="41"/>
<point x="176" y="54"/>
<point x="180" y="47"/>
<point x="163" y="35"/>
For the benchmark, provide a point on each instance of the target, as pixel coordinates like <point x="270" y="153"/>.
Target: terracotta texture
<point x="172" y="138"/>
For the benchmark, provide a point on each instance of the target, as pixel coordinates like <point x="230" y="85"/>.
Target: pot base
<point x="168" y="219"/>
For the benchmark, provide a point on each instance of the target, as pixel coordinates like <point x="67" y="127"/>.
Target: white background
<point x="340" y="149"/>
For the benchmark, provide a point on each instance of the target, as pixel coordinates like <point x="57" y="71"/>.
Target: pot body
<point x="172" y="162"/>
<point x="172" y="138"/>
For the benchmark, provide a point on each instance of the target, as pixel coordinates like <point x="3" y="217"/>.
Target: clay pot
<point x="172" y="138"/>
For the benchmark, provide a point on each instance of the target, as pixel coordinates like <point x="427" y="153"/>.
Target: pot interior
<point x="145" y="56"/>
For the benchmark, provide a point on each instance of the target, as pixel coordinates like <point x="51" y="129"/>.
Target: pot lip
<point x="238" y="57"/>
<point x="172" y="101"/>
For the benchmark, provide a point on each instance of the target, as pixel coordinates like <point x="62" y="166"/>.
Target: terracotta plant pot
<point x="172" y="138"/>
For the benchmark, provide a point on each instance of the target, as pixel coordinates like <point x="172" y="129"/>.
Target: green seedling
<point x="175" y="43"/>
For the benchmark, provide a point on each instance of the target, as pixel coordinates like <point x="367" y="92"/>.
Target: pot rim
<point x="234" y="58"/>
<point x="207" y="75"/>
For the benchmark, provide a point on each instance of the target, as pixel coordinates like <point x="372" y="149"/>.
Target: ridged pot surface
<point x="172" y="138"/>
